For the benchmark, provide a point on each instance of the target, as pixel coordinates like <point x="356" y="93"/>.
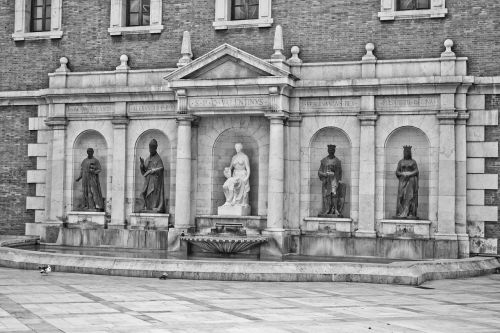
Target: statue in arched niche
<point x="237" y="186"/>
<point x="153" y="190"/>
<point x="91" y="188"/>
<point x="333" y="191"/>
<point x="407" y="173"/>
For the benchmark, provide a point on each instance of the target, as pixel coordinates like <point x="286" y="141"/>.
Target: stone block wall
<point x="324" y="30"/>
<point x="15" y="136"/>
<point x="492" y="165"/>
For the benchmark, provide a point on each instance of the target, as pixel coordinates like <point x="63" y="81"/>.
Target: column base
<point x="47" y="231"/>
<point x="443" y="236"/>
<point x="365" y="234"/>
<point x="463" y="246"/>
<point x="275" y="246"/>
<point x="117" y="226"/>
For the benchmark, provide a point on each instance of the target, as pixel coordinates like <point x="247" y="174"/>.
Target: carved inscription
<point x="330" y="104"/>
<point x="228" y="102"/>
<point x="90" y="109"/>
<point x="151" y="108"/>
<point x="407" y="103"/>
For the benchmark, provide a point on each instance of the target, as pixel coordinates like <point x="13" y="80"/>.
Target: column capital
<point x="294" y="120"/>
<point x="57" y="123"/>
<point x="367" y="119"/>
<point x="462" y="118"/>
<point x="119" y="122"/>
<point x="186" y="120"/>
<point x="447" y="118"/>
<point x="276" y="117"/>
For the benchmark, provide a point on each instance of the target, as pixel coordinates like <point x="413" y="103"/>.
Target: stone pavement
<point x="64" y="302"/>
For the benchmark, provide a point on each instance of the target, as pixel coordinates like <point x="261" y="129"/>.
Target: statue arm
<point x="247" y="167"/>
<point x="81" y="174"/>
<point x="415" y="172"/>
<point x="339" y="172"/>
<point x="142" y="167"/>
<point x="398" y="170"/>
<point x="97" y="167"/>
<point x="321" y="173"/>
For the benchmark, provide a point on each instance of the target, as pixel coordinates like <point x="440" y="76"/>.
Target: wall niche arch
<point x="95" y="140"/>
<point x="319" y="150"/>
<point x="223" y="151"/>
<point x="141" y="149"/>
<point x="406" y="136"/>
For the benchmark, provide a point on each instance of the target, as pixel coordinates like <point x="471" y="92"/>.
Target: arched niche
<point x="319" y="150"/>
<point x="142" y="150"/>
<point x="95" y="140"/>
<point x="406" y="136"/>
<point x="223" y="151"/>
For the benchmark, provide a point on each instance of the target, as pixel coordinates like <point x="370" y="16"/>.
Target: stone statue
<point x="333" y="191"/>
<point x="407" y="173"/>
<point x="237" y="185"/>
<point x="91" y="188"/>
<point x="153" y="190"/>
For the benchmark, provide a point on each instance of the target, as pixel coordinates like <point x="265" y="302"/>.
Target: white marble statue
<point x="237" y="185"/>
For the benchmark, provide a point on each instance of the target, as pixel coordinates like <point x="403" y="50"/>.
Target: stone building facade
<point x="368" y="78"/>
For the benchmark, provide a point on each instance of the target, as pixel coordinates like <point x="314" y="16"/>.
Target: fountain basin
<point x="225" y="244"/>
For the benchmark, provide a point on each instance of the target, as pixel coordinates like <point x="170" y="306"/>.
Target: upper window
<point x="413" y="4"/>
<point x="242" y="14"/>
<point x="135" y="17"/>
<point x="244" y="9"/>
<point x="412" y="9"/>
<point x="37" y="19"/>
<point x="40" y="15"/>
<point x="138" y="12"/>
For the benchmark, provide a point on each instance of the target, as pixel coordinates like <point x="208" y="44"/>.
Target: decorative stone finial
<point x="123" y="63"/>
<point x="278" y="44"/>
<point x="369" y="52"/>
<point x="295" y="60"/>
<point x="63" y="68"/>
<point x="187" y="55"/>
<point x="448" y="44"/>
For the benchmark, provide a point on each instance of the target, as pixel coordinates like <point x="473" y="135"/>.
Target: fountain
<point x="226" y="238"/>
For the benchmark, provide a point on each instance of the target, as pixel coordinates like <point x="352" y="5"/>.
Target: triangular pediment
<point x="227" y="62"/>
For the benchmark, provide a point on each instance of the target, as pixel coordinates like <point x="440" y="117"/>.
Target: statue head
<point x="238" y="147"/>
<point x="407" y="152"/>
<point x="331" y="150"/>
<point x="90" y="152"/>
<point x="153" y="145"/>
<point x="227" y="172"/>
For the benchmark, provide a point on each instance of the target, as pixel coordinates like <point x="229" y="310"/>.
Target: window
<point x="40" y="15"/>
<point x="412" y="9"/>
<point x="242" y="14"/>
<point x="37" y="19"/>
<point x="137" y="12"/>
<point x="135" y="17"/>
<point x="244" y="9"/>
<point x="413" y="4"/>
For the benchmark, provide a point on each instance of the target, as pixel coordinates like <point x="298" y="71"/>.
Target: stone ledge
<point x="406" y="273"/>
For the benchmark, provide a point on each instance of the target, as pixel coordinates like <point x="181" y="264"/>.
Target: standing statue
<point x="153" y="190"/>
<point x="237" y="185"/>
<point x="91" y="188"/>
<point x="407" y="173"/>
<point x="333" y="191"/>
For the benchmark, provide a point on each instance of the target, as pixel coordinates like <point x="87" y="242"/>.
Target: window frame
<point x="118" y="19"/>
<point x="223" y="21"/>
<point x="140" y="13"/>
<point x="389" y="11"/>
<point x="44" y="17"/>
<point x="22" y="22"/>
<point x="246" y="6"/>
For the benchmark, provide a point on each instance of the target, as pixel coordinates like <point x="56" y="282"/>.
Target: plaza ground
<point x="62" y="302"/>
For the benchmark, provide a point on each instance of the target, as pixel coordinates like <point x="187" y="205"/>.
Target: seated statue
<point x="237" y="186"/>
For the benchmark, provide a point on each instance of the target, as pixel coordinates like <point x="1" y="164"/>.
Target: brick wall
<point x="492" y="197"/>
<point x="14" y="139"/>
<point x="325" y="31"/>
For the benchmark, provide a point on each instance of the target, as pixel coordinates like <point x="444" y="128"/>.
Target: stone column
<point x="275" y="189"/>
<point x="57" y="166"/>
<point x="461" y="171"/>
<point x="119" y="178"/>
<point x="183" y="219"/>
<point x="366" y="222"/>
<point x="447" y="177"/>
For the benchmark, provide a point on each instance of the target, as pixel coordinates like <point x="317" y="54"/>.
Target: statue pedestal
<point x="145" y="221"/>
<point x="329" y="225"/>
<point x="236" y="210"/>
<point x="87" y="217"/>
<point x="405" y="228"/>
